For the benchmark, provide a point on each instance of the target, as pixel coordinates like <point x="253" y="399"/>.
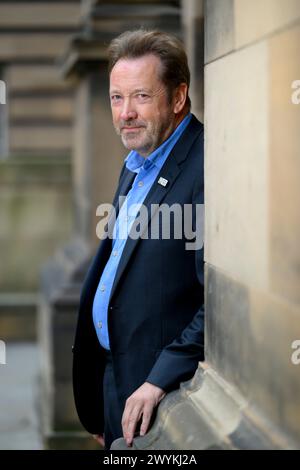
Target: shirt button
<point x="141" y="183"/>
<point x="127" y="218"/>
<point x="100" y="324"/>
<point x="102" y="288"/>
<point x="114" y="253"/>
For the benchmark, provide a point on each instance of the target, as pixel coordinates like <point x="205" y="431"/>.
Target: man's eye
<point x="143" y="95"/>
<point x="115" y="97"/>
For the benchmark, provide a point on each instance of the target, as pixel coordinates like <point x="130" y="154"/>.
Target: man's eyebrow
<point x="137" y="90"/>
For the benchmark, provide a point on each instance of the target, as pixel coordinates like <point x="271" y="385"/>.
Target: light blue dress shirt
<point x="146" y="169"/>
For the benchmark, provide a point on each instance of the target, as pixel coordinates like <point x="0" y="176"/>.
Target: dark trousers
<point x="112" y="408"/>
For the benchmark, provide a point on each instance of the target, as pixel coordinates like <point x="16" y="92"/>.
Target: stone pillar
<point x="97" y="159"/>
<point x="35" y="147"/>
<point x="253" y="225"/>
<point x="193" y="35"/>
<point x="246" y="395"/>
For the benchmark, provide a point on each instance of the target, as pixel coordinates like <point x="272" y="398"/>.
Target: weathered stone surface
<point x="44" y="139"/>
<point x="35" y="218"/>
<point x="37" y="107"/>
<point x="233" y="24"/>
<point x="284" y="189"/>
<point x="193" y="26"/>
<point x="206" y="413"/>
<point x="257" y="19"/>
<point x="34" y="77"/>
<point x="219" y="28"/>
<point x="32" y="46"/>
<point x="56" y="327"/>
<point x="237" y="163"/>
<point x="249" y="337"/>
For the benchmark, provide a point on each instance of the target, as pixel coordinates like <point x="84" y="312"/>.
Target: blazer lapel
<point x="125" y="185"/>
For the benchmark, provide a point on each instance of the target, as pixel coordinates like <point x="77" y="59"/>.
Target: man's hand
<point x="99" y="438"/>
<point x="141" y="402"/>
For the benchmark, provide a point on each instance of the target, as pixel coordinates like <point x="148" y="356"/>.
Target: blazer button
<point x="72" y="348"/>
<point x="111" y="308"/>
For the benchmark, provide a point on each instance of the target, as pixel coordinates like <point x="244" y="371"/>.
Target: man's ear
<point x="180" y="96"/>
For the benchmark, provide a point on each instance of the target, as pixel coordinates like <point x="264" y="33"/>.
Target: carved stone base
<point x="61" y="284"/>
<point x="206" y="413"/>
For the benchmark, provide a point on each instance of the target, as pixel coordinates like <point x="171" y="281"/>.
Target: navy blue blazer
<point x="156" y="308"/>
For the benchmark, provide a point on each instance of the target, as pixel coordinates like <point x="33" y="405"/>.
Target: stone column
<point x="253" y="225"/>
<point x="193" y="35"/>
<point x="35" y="148"/>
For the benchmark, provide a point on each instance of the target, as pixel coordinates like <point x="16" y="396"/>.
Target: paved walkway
<point x="19" y="423"/>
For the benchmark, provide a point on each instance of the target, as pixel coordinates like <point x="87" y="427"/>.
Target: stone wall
<point x="36" y="141"/>
<point x="252" y="56"/>
<point x="35" y="214"/>
<point x="39" y="103"/>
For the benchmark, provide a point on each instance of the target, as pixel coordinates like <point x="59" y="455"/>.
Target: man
<point x="141" y="318"/>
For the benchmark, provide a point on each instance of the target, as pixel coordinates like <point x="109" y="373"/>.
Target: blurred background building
<point x="60" y="158"/>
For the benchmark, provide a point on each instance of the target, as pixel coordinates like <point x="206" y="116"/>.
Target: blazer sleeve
<point x="179" y="360"/>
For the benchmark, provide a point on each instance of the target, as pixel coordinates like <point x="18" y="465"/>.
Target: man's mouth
<point x="131" y="128"/>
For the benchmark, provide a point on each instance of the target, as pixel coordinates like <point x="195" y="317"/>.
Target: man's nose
<point x="128" y="112"/>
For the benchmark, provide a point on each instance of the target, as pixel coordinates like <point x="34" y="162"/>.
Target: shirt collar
<point x="134" y="161"/>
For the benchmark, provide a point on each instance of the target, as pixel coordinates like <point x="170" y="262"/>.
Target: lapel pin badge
<point x="163" y="181"/>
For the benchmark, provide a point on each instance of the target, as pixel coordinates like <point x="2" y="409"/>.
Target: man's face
<point x="142" y="114"/>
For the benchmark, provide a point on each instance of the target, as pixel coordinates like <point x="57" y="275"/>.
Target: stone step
<point x="41" y="139"/>
<point x="41" y="14"/>
<point x="33" y="107"/>
<point x="25" y="46"/>
<point x="33" y="77"/>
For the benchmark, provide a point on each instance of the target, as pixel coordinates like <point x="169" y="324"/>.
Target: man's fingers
<point x="131" y="418"/>
<point x="141" y="402"/>
<point x="146" y="419"/>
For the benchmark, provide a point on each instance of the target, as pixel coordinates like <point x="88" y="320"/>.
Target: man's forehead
<point x="141" y="72"/>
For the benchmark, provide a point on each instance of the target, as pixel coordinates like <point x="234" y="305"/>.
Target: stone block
<point x="249" y="336"/>
<point x="36" y="217"/>
<point x="35" y="107"/>
<point x="284" y="169"/>
<point x="34" y="78"/>
<point x="257" y="19"/>
<point x="39" y="14"/>
<point x="41" y="139"/>
<point x="32" y="46"/>
<point x="237" y="165"/>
